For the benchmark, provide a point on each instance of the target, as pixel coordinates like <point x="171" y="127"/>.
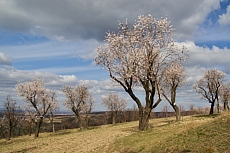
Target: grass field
<point x="205" y="134"/>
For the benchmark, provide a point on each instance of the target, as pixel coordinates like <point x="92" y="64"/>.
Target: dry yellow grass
<point x="70" y="140"/>
<point x="99" y="139"/>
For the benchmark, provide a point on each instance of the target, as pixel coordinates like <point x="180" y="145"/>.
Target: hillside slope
<point x="204" y="134"/>
<point x="193" y="134"/>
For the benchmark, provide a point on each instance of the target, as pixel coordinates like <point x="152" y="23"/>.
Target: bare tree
<point x="134" y="113"/>
<point x="225" y="95"/>
<point x="192" y="108"/>
<point x="114" y="104"/>
<point x="3" y="129"/>
<point x="78" y="99"/>
<point x="206" y="109"/>
<point x="29" y="119"/>
<point x="182" y="111"/>
<point x="173" y="78"/>
<point x="165" y="110"/>
<point x="209" y="85"/>
<point x="87" y="110"/>
<point x="200" y="110"/>
<point x="38" y="101"/>
<point x="11" y="115"/>
<point x="137" y="56"/>
<point x="27" y="124"/>
<point x="53" y="108"/>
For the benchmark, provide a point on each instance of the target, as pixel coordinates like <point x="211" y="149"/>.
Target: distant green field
<point x="205" y="134"/>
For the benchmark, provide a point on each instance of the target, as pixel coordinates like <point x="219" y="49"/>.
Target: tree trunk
<point x="177" y="111"/>
<point x="53" y="126"/>
<point x="51" y="120"/>
<point x="226" y="107"/>
<point x="80" y="122"/>
<point x="173" y="102"/>
<point x="113" y="117"/>
<point x="218" y="106"/>
<point x="10" y="133"/>
<point x="38" y="126"/>
<point x="212" y="108"/>
<point x="30" y="128"/>
<point x="79" y="119"/>
<point x="144" y="115"/>
<point x="87" y="116"/>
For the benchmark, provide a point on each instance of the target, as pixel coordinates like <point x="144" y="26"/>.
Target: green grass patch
<point x="205" y="134"/>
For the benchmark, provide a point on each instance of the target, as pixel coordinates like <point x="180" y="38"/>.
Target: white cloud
<point x="68" y="70"/>
<point x="201" y="59"/>
<point x="81" y="49"/>
<point x="87" y="22"/>
<point x="77" y="19"/>
<point x="201" y="10"/>
<point x="194" y="74"/>
<point x="11" y="76"/>
<point x="207" y="57"/>
<point x="224" y="19"/>
<point x="5" y="59"/>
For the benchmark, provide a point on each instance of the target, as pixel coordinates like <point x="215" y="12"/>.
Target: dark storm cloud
<point x="90" y="19"/>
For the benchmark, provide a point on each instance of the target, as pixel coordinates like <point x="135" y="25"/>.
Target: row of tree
<point x="144" y="55"/>
<point x="213" y="87"/>
<point x="42" y="102"/>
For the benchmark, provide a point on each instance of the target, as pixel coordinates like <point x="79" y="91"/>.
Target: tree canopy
<point x="137" y="56"/>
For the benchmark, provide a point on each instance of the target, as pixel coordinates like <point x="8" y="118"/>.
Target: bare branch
<point x="137" y="56"/>
<point x="209" y="86"/>
<point x="78" y="100"/>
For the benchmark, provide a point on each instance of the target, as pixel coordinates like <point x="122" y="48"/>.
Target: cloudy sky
<point x="56" y="40"/>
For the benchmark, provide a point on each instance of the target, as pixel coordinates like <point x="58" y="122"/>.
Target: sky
<point x="56" y="40"/>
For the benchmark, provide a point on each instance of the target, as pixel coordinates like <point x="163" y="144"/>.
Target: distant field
<point x="193" y="134"/>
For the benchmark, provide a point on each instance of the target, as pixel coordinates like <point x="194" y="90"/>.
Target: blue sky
<point x="56" y="40"/>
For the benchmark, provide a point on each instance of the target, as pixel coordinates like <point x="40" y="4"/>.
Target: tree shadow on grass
<point x="91" y="128"/>
<point x="25" y="149"/>
<point x="128" y="151"/>
<point x="162" y="123"/>
<point x="206" y="116"/>
<point x="60" y="133"/>
<point x="11" y="141"/>
<point x="130" y="129"/>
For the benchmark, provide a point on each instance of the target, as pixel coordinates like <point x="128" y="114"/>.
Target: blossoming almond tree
<point x="53" y="108"/>
<point x="78" y="100"/>
<point x="173" y="78"/>
<point x="30" y="119"/>
<point x="86" y="110"/>
<point x="209" y="86"/>
<point x="114" y="104"/>
<point x="11" y="115"/>
<point x="137" y="56"/>
<point x="225" y="95"/>
<point x="38" y="100"/>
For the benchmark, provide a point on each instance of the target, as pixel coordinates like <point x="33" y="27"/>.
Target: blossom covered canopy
<point x="141" y="51"/>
